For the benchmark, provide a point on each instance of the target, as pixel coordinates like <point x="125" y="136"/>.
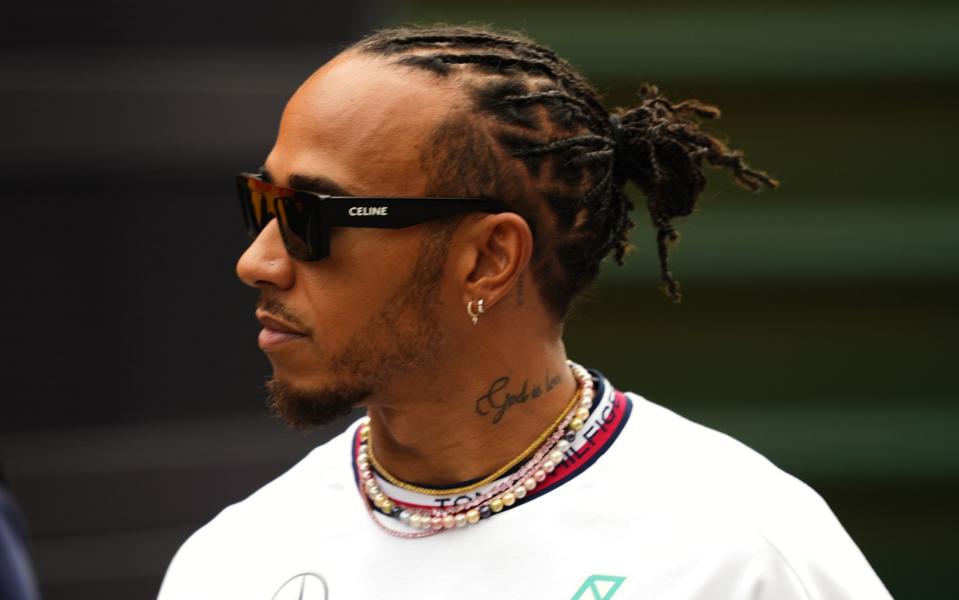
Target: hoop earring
<point x="474" y="316"/>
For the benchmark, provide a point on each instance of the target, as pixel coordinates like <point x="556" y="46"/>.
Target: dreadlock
<point x="553" y="153"/>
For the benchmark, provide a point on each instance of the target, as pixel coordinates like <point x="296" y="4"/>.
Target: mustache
<point x="282" y="311"/>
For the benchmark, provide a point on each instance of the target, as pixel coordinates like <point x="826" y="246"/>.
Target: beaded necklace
<point x="547" y="456"/>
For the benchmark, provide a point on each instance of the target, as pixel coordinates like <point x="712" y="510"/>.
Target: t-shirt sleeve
<point x="201" y="567"/>
<point x="180" y="582"/>
<point x="815" y="546"/>
<point x="749" y="566"/>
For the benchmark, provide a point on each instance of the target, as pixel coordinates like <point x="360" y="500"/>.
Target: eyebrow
<point x="309" y="183"/>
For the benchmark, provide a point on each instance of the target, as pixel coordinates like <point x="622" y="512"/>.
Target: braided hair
<point x="537" y="138"/>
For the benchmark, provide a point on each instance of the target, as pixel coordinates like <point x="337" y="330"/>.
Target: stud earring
<point x="474" y="316"/>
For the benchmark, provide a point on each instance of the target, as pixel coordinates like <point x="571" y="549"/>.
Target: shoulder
<point x="709" y="482"/>
<point x="240" y="532"/>
<point x="695" y="459"/>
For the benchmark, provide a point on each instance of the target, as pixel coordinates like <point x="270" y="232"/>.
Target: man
<point x="435" y="199"/>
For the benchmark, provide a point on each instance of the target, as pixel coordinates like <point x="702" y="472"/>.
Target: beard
<point x="309" y="408"/>
<point x="403" y="336"/>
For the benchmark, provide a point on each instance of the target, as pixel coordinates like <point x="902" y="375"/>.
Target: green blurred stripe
<point x="781" y="238"/>
<point x="720" y="42"/>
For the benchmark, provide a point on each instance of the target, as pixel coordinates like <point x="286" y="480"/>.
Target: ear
<point x="496" y="253"/>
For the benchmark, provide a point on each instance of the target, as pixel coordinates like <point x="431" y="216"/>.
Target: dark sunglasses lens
<point x="256" y="210"/>
<point x="300" y="221"/>
<point x="244" y="195"/>
<point x="300" y="225"/>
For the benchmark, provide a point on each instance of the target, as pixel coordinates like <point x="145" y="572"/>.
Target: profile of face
<point x="340" y="331"/>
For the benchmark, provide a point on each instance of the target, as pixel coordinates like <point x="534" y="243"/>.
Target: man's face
<point x="370" y="312"/>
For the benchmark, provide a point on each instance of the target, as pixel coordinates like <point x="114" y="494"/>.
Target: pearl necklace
<point x="501" y="496"/>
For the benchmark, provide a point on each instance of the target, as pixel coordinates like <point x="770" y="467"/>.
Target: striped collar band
<point x="606" y="420"/>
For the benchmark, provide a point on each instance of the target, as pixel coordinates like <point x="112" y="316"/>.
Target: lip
<point x="275" y="333"/>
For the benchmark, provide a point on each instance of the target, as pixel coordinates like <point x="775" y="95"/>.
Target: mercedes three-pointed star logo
<point x="303" y="586"/>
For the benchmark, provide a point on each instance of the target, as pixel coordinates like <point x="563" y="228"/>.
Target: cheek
<point x="365" y="269"/>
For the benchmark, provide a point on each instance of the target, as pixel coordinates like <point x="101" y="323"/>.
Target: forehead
<point x="363" y="123"/>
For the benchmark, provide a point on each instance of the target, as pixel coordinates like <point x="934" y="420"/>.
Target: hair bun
<point x="662" y="151"/>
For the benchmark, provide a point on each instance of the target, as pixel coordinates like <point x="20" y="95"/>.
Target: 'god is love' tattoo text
<point x="497" y="400"/>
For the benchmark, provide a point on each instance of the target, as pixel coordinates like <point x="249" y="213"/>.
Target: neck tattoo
<point x="547" y="452"/>
<point x="497" y="404"/>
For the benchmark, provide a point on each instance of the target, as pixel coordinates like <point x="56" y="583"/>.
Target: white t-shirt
<point x="647" y="506"/>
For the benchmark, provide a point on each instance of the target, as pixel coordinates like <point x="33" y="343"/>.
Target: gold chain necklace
<point x="382" y="472"/>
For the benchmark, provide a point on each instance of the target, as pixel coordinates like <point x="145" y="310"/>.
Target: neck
<point x="466" y="418"/>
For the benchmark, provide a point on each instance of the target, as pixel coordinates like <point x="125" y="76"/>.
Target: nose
<point x="266" y="262"/>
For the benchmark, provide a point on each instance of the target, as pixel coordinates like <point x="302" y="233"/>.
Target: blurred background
<point x="818" y="325"/>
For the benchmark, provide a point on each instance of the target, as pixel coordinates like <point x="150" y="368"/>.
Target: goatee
<point x="305" y="409"/>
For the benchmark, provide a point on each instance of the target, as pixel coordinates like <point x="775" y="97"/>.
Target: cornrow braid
<point x="539" y="139"/>
<point x="391" y="41"/>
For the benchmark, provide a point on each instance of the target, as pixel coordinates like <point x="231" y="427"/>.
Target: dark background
<point x="818" y="326"/>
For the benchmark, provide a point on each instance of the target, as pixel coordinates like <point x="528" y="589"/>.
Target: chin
<point x="309" y="407"/>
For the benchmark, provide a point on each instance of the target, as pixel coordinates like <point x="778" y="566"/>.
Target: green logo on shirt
<point x="598" y="587"/>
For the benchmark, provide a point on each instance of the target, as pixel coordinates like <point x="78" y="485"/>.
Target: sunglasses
<point x="305" y="218"/>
